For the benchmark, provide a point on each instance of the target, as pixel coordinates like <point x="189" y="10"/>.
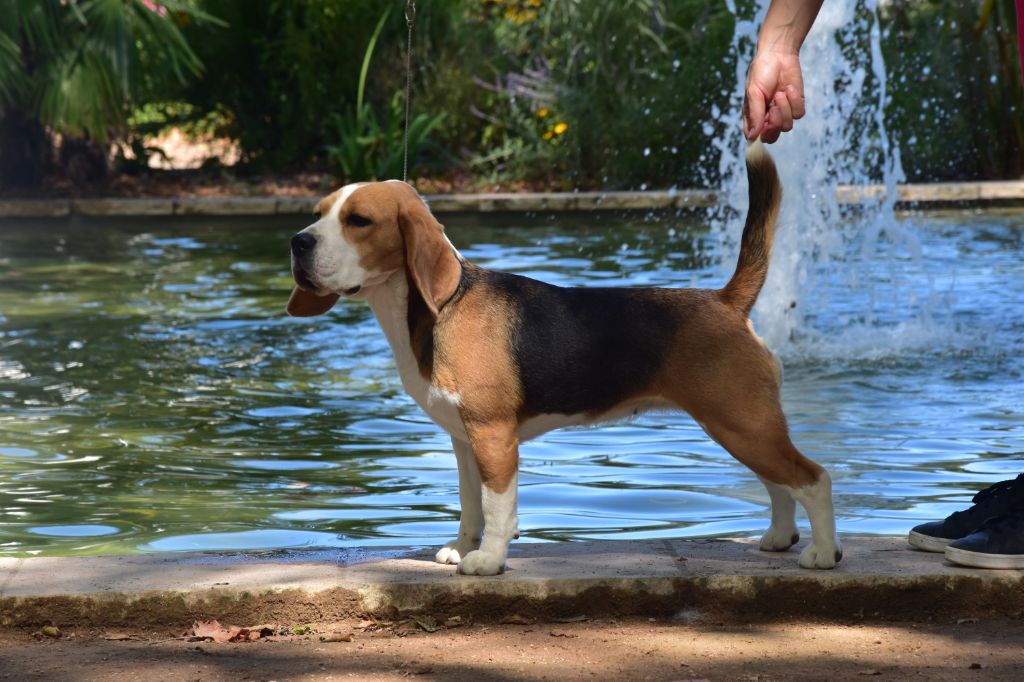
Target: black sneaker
<point x="998" y="543"/>
<point x="1002" y="497"/>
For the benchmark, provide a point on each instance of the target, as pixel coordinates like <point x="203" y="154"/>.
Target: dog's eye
<point x="316" y="214"/>
<point x="356" y="220"/>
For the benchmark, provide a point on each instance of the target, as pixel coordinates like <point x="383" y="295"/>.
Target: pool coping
<point x="721" y="580"/>
<point x="910" y="196"/>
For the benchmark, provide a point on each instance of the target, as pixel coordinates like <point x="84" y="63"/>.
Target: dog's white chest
<point x="441" y="406"/>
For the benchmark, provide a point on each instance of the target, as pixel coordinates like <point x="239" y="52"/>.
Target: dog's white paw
<point x="481" y="563"/>
<point x="779" y="539"/>
<point x="827" y="556"/>
<point x="453" y="551"/>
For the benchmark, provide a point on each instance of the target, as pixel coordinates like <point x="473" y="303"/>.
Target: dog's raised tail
<point x="756" y="244"/>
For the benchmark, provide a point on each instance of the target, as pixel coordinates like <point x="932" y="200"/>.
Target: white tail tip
<point x="755" y="150"/>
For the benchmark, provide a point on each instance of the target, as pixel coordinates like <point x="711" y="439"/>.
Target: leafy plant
<point x="284" y="67"/>
<point x="368" y="148"/>
<point x="957" y="106"/>
<point x="634" y="83"/>
<point x="79" y="67"/>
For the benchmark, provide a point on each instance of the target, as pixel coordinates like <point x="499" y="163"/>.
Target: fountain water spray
<point x="841" y="140"/>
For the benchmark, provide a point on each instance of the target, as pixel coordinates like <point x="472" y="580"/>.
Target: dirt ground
<point x="590" y="650"/>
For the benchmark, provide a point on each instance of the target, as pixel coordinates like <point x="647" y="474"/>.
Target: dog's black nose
<point x="303" y="243"/>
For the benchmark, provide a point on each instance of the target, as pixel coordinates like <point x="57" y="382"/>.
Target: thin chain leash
<point x="410" y="20"/>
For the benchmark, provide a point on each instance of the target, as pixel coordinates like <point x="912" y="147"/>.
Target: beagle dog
<point x="496" y="359"/>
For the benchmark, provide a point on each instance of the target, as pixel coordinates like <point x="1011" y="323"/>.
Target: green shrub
<point x="79" y="68"/>
<point x="367" y="149"/>
<point x="633" y="83"/>
<point x="283" y="68"/>
<point x="957" y="110"/>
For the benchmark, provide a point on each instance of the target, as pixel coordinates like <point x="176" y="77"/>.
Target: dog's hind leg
<point x="825" y="551"/>
<point x="471" y="517"/>
<point x="782" y="533"/>
<point x="787" y="473"/>
<point x="765" y="447"/>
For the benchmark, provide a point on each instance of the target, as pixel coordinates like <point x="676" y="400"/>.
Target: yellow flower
<point x="548" y="135"/>
<point x="561" y="128"/>
<point x="544" y="111"/>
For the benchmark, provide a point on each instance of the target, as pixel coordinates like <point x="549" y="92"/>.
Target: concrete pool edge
<point x="923" y="196"/>
<point x="714" y="580"/>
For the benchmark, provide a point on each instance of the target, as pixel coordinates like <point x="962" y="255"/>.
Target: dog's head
<point x="363" y="234"/>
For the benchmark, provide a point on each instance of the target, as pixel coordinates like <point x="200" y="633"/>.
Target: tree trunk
<point x="26" y="150"/>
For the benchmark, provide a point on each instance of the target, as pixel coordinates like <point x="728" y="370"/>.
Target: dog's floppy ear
<point x="429" y="257"/>
<point x="304" y="303"/>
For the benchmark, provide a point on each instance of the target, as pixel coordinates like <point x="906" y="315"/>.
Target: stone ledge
<point x="225" y="206"/>
<point x="728" y="580"/>
<point x="122" y="207"/>
<point x="34" y="208"/>
<point x="1001" y="193"/>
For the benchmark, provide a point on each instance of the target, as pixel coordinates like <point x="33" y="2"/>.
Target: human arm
<point x="774" y="94"/>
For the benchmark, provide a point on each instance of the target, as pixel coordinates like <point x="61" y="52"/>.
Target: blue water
<point x="154" y="396"/>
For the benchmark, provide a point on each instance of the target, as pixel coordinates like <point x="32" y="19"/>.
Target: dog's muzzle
<point x="303" y="246"/>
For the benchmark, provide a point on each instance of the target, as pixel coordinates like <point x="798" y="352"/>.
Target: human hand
<point x="774" y="95"/>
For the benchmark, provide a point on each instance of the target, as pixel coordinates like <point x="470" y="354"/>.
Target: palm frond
<point x="12" y="76"/>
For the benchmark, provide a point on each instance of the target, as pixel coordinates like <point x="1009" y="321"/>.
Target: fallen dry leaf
<point x="213" y="630"/>
<point x="516" y="619"/>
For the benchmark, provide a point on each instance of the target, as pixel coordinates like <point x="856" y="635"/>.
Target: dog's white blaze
<point x="389" y="303"/>
<point x="336" y="262"/>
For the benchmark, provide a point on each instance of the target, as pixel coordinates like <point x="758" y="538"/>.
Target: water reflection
<point x="155" y="398"/>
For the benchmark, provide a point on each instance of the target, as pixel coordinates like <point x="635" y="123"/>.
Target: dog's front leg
<point x="471" y="518"/>
<point x="496" y="450"/>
